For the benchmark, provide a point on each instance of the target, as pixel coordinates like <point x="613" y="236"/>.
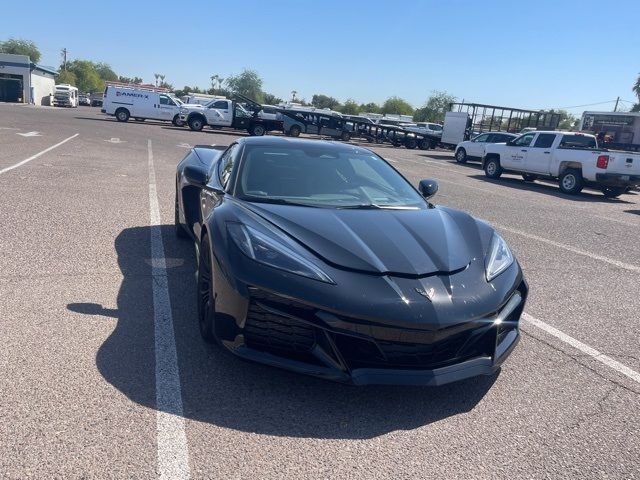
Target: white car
<point x="474" y="149"/>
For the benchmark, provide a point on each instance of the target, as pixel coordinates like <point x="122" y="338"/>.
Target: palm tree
<point x="161" y="79"/>
<point x="636" y="87"/>
<point x="293" y="95"/>
<point x="157" y="75"/>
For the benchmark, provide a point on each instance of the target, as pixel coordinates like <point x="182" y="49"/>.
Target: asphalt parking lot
<point x="80" y="353"/>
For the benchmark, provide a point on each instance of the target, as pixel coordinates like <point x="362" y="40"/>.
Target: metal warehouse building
<point x="23" y="81"/>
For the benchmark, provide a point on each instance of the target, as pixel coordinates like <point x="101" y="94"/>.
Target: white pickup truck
<point x="572" y="158"/>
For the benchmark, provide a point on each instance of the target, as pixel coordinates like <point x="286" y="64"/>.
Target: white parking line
<point x="584" y="348"/>
<point x="569" y="248"/>
<point x="173" y="456"/>
<point x="4" y="170"/>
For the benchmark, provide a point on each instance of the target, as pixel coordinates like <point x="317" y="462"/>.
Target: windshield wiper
<point x="375" y="206"/>
<point x="277" y="201"/>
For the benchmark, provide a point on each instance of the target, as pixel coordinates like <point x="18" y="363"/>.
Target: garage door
<point x="10" y="90"/>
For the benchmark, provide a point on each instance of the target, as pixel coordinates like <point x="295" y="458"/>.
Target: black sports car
<point x="320" y="257"/>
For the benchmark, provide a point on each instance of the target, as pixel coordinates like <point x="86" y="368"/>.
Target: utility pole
<point x="64" y="59"/>
<point x="615" y="109"/>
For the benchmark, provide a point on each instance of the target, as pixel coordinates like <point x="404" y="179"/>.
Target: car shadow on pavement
<point x="220" y="389"/>
<point x="131" y="121"/>
<point x="549" y="187"/>
<point x="234" y="133"/>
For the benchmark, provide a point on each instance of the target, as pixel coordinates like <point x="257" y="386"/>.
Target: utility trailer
<point x="466" y="120"/>
<point x="333" y="124"/>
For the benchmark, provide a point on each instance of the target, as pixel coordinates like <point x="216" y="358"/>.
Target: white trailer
<point x="65" y="95"/>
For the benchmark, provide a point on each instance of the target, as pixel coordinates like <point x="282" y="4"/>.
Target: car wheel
<point x="571" y="181"/>
<point x="528" y="177"/>
<point x="122" y="115"/>
<point x="461" y="155"/>
<point x="180" y="231"/>
<point x="295" y="131"/>
<point x="257" y="130"/>
<point x="206" y="298"/>
<point x="176" y="121"/>
<point x="613" y="192"/>
<point x="492" y="168"/>
<point x="411" y="143"/>
<point x="196" y="123"/>
<point x="345" y="136"/>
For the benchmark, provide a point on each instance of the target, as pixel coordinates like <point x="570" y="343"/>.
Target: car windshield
<point x="317" y="176"/>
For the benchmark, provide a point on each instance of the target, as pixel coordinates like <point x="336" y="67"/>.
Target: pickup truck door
<point x="539" y="156"/>
<point x="220" y="113"/>
<point x="516" y="152"/>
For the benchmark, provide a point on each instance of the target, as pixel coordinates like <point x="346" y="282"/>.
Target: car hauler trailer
<point x="466" y="120"/>
<point x="333" y="124"/>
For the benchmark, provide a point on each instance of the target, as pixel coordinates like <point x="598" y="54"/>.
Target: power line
<point x="588" y="105"/>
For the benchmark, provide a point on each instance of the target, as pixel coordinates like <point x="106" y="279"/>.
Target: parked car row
<point x="575" y="160"/>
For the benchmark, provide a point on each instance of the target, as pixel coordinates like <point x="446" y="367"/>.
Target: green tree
<point x="350" y="107"/>
<point x="87" y="77"/>
<point x="247" y="83"/>
<point x="19" y="46"/>
<point x="105" y="72"/>
<point x="136" y="80"/>
<point x="370" y="107"/>
<point x="396" y="105"/>
<point x="434" y="108"/>
<point x="324" y="101"/>
<point x="67" y="77"/>
<point x="270" y="99"/>
<point x="636" y="90"/>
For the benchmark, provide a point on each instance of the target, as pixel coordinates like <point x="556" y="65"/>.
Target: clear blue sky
<point x="537" y="54"/>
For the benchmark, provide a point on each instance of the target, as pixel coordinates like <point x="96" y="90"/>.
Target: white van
<point x="141" y="103"/>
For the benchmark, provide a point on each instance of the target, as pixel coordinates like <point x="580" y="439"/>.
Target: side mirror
<point x="195" y="176"/>
<point x="428" y="188"/>
<point x="510" y="143"/>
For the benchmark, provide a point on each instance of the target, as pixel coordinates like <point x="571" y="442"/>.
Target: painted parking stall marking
<point x="33" y="157"/>
<point x="173" y="457"/>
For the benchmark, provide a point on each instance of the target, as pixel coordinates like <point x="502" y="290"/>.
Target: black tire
<point x="294" y="131"/>
<point x="206" y="296"/>
<point x="345" y="136"/>
<point x="176" y="121"/>
<point x="529" y="177"/>
<point x="492" y="168"/>
<point x="424" y="144"/>
<point x="613" y="192"/>
<point x="122" y="115"/>
<point x="410" y="143"/>
<point x="180" y="231"/>
<point x="257" y="130"/>
<point x="196" y="123"/>
<point x="461" y="155"/>
<point x="138" y="119"/>
<point x="570" y="181"/>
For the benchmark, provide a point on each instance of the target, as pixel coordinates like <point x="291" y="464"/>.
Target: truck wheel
<point x="411" y="143"/>
<point x="345" y="136"/>
<point x="423" y="144"/>
<point x="461" y="155"/>
<point x="571" y="181"/>
<point x="257" y="130"/>
<point x="613" y="192"/>
<point x="492" y="168"/>
<point x="528" y="177"/>
<point x="196" y="123"/>
<point x="295" y="131"/>
<point x="177" y="122"/>
<point x="122" y="115"/>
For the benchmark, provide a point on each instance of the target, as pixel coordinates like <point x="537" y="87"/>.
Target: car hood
<point x="396" y="242"/>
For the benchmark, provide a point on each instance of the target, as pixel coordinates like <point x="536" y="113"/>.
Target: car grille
<point x="290" y="329"/>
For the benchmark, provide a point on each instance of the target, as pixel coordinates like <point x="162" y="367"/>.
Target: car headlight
<point x="499" y="258"/>
<point x="268" y="251"/>
<point x="183" y="111"/>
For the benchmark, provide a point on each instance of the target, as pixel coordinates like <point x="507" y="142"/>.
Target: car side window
<point x="220" y="104"/>
<point x="524" y="140"/>
<point x="164" y="100"/>
<point x="225" y="165"/>
<point x="482" y="138"/>
<point x="544" y="140"/>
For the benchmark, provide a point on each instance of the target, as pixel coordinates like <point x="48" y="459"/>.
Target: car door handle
<point x="523" y="150"/>
<point x="547" y="153"/>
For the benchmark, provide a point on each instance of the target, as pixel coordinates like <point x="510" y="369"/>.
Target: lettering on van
<point x="128" y="94"/>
